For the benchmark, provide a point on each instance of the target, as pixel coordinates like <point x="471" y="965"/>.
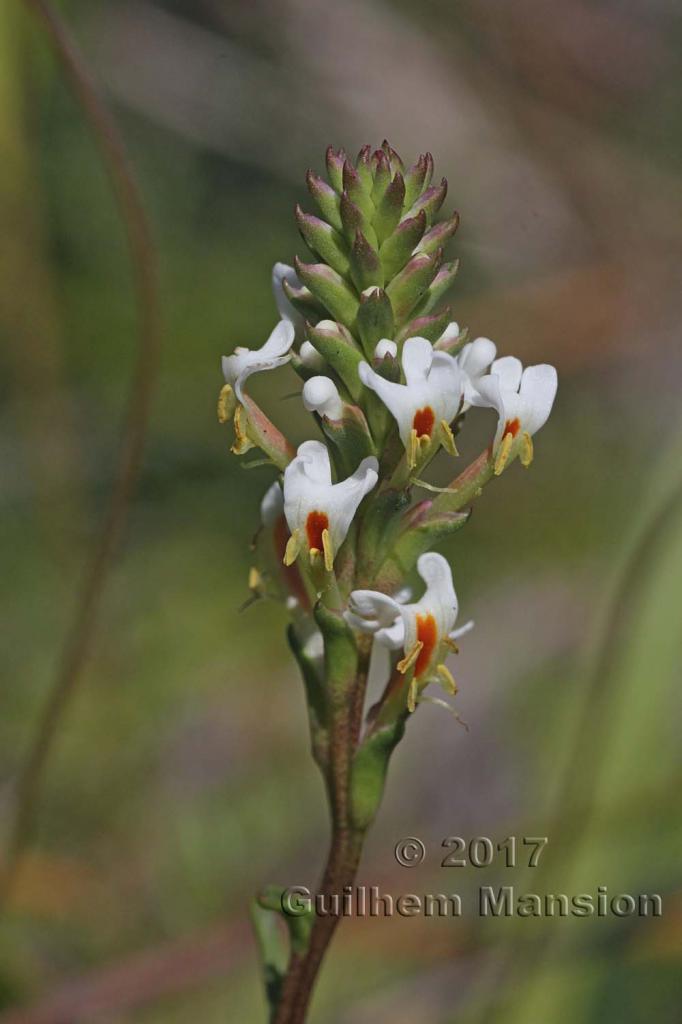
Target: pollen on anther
<point x="315" y="525"/>
<point x="512" y="427"/>
<point x="423" y="421"/>
<point x="427" y="632"/>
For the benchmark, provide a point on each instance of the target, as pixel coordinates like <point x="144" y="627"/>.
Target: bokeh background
<point x="180" y="781"/>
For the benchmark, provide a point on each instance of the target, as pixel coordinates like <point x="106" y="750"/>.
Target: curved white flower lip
<point x="430" y="397"/>
<point x="283" y="272"/>
<point x="244" y="361"/>
<point x="319" y="512"/>
<point x="423" y="629"/>
<point x="474" y="361"/>
<point x="321" y="395"/>
<point x="522" y="398"/>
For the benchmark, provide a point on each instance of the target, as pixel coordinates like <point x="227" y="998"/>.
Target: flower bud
<point x="439" y="234"/>
<point x="366" y="266"/>
<point x="354" y="220"/>
<point x="389" y="208"/>
<point x="330" y="289"/>
<point x="323" y="241"/>
<point x="326" y="198"/>
<point x="430" y="201"/>
<point x="310" y="358"/>
<point x="399" y="246"/>
<point x="375" y="318"/>
<point x="438" y="287"/>
<point x="335" y="161"/>
<point x="339" y="353"/>
<point x="430" y="327"/>
<point x="410" y="286"/>
<point x="356" y="192"/>
<point x="382" y="175"/>
<point x="415" y="179"/>
<point x="386" y="348"/>
<point x="321" y="395"/>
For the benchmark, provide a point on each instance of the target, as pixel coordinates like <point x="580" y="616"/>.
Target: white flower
<point x="424" y="630"/>
<point x="245" y="361"/>
<point x="425" y="405"/>
<point x="474" y="361"/>
<point x="523" y="400"/>
<point x="283" y="272"/>
<point x="319" y="513"/>
<point x="272" y="505"/>
<point x="321" y="395"/>
<point x="385" y="347"/>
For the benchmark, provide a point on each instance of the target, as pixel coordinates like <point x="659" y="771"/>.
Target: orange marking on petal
<point x="423" y="421"/>
<point x="315" y="525"/>
<point x="427" y="632"/>
<point x="512" y="427"/>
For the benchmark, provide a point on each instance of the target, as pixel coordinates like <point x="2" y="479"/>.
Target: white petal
<point x="435" y="570"/>
<point x="416" y="359"/>
<point x="446" y="383"/>
<point x="463" y="630"/>
<point x="346" y="496"/>
<point x="374" y="607"/>
<point x="321" y="395"/>
<point x="272" y="505"/>
<point x="393" y="636"/>
<point x="283" y="272"/>
<point x="243" y="361"/>
<point x="398" y="399"/>
<point x="385" y="347"/>
<point x="280" y="341"/>
<point x="310" y="357"/>
<point x="509" y="370"/>
<point x="314" y="458"/>
<point x="537" y="393"/>
<point x="476" y="357"/>
<point x="451" y="333"/>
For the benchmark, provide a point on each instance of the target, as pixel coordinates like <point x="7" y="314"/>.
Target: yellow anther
<point x="449" y="642"/>
<point x="446" y="679"/>
<point x="328" y="549"/>
<point x="408" y="661"/>
<point x="503" y="453"/>
<point x="242" y="441"/>
<point x="412" y="695"/>
<point x="226" y="403"/>
<point x="315" y="555"/>
<point x="293" y="548"/>
<point x="413" y="449"/>
<point x="255" y="580"/>
<point x="448" y="438"/>
<point x="526" y="454"/>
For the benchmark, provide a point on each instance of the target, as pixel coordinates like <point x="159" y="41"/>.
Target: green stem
<point x="344" y="852"/>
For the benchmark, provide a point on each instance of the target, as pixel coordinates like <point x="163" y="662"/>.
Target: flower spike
<point x="318" y="512"/>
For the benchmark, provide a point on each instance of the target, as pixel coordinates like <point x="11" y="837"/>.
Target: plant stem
<point x="344" y="852"/>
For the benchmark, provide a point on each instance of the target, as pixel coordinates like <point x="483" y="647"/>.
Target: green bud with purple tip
<point x="329" y="288"/>
<point x="375" y="319"/>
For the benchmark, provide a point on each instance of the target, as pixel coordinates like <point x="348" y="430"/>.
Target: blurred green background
<point x="181" y="780"/>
